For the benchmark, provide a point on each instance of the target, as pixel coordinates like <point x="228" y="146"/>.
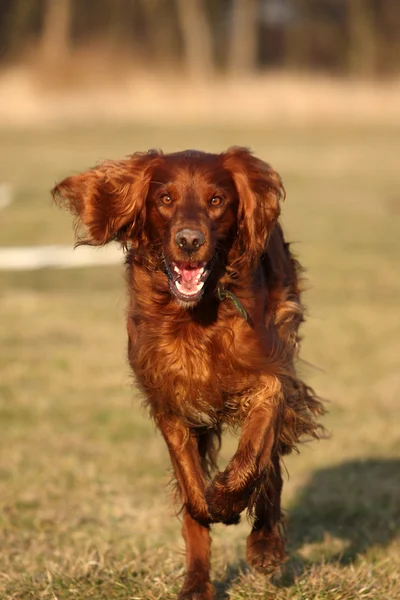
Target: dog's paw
<point x="200" y="513"/>
<point x="265" y="550"/>
<point x="224" y="505"/>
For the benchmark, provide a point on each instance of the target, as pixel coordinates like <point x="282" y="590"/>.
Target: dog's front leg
<point x="185" y="458"/>
<point x="265" y="544"/>
<point x="229" y="492"/>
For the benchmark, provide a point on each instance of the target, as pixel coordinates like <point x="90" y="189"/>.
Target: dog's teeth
<point x="176" y="269"/>
<point x="184" y="291"/>
<point x="200" y="275"/>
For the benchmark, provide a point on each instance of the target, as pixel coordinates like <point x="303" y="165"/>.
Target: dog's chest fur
<point x="192" y="371"/>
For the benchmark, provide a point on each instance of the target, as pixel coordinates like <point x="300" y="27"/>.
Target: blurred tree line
<point x="201" y="37"/>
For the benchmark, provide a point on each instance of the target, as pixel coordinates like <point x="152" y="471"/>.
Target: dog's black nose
<point x="189" y="240"/>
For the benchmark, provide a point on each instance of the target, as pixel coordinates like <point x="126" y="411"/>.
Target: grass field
<point x="85" y="508"/>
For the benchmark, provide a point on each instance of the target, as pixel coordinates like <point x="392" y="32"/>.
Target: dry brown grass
<point x="84" y="507"/>
<point x="134" y="95"/>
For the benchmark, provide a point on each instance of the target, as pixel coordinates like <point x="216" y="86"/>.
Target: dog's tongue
<point x="188" y="281"/>
<point x="189" y="275"/>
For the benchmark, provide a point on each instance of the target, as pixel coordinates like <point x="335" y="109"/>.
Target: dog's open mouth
<point x="187" y="279"/>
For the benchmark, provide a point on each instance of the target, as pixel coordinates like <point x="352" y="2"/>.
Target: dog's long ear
<point x="109" y="200"/>
<point x="259" y="189"/>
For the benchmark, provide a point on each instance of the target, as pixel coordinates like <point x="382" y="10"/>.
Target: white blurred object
<point x="62" y="257"/>
<point x="5" y="194"/>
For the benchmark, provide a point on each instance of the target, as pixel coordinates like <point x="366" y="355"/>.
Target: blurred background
<point x="203" y="37"/>
<point x="313" y="87"/>
<point x="180" y="59"/>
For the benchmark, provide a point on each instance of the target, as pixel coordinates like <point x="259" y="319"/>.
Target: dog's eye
<point x="216" y="201"/>
<point x="166" y="200"/>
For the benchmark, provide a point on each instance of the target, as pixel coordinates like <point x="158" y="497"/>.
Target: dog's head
<point x="195" y="211"/>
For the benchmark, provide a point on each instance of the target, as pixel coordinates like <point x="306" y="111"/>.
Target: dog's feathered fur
<point x="212" y="324"/>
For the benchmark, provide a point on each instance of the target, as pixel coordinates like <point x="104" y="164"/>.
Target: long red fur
<point x="226" y="358"/>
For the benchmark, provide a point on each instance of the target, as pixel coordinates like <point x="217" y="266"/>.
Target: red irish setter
<point x="212" y="322"/>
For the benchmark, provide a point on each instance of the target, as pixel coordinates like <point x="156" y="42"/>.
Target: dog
<point x="213" y="318"/>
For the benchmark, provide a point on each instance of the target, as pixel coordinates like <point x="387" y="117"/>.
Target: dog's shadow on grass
<point x="339" y="514"/>
<point x="342" y="512"/>
<point x="222" y="586"/>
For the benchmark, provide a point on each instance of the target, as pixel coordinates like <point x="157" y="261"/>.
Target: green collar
<point x="222" y="294"/>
